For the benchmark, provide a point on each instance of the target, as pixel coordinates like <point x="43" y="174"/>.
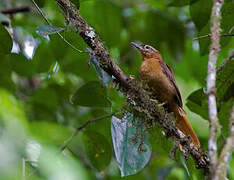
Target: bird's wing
<point x="170" y="75"/>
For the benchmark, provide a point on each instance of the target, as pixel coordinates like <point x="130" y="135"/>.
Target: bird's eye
<point x="147" y="47"/>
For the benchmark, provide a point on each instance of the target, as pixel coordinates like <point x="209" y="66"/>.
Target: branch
<point x="209" y="35"/>
<point x="225" y="62"/>
<point x="15" y="10"/>
<point x="138" y="98"/>
<point x="211" y="89"/>
<point x="82" y="127"/>
<point x="226" y="152"/>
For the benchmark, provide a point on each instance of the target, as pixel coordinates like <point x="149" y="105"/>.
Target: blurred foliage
<point x="47" y="89"/>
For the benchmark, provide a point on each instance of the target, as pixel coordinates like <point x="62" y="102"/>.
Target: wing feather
<point x="170" y="75"/>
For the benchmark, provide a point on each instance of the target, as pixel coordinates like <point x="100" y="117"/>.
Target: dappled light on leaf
<point x="98" y="149"/>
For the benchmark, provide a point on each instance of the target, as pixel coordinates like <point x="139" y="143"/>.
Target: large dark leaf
<point x="227" y="20"/>
<point x="46" y="97"/>
<point x="178" y="3"/>
<point x="106" y="18"/>
<point x="98" y="149"/>
<point x="21" y="65"/>
<point x="197" y="101"/>
<point x="6" y="42"/>
<point x="226" y="25"/>
<point x="130" y="157"/>
<point x="91" y="94"/>
<point x="200" y="12"/>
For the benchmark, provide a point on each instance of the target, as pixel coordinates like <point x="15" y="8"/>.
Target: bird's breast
<point x="151" y="73"/>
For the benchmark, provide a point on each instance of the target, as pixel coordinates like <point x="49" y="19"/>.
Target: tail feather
<point x="184" y="125"/>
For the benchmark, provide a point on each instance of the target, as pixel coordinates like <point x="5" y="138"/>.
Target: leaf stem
<point x="49" y="23"/>
<point x="209" y="36"/>
<point x="82" y="127"/>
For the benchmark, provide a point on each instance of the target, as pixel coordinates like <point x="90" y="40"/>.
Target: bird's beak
<point x="138" y="46"/>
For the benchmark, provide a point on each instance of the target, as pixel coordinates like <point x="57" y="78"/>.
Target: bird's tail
<point x="184" y="125"/>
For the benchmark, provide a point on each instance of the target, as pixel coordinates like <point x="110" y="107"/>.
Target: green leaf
<point x="226" y="25"/>
<point x="200" y="12"/>
<point x="102" y="75"/>
<point x="6" y="41"/>
<point x="48" y="132"/>
<point x="46" y="97"/>
<point x="225" y="82"/>
<point x="43" y="59"/>
<point x="224" y="116"/>
<point x="130" y="156"/>
<point x="44" y="31"/>
<point x="204" y="43"/>
<point x="97" y="149"/>
<point x="227" y="21"/>
<point x="197" y="102"/>
<point x="184" y="163"/>
<point x="178" y="3"/>
<point x="21" y="65"/>
<point x="109" y="28"/>
<point x="40" y="3"/>
<point x="92" y="94"/>
<point x="77" y="3"/>
<point x="58" y="47"/>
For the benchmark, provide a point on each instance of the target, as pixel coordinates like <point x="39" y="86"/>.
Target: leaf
<point x="109" y="28"/>
<point x="102" y="75"/>
<point x="46" y="97"/>
<point x="204" y="43"/>
<point x="92" y="94"/>
<point x="43" y="58"/>
<point x="225" y="82"/>
<point x="128" y="155"/>
<point x="226" y="25"/>
<point x="48" y="132"/>
<point x="224" y="116"/>
<point x="178" y="3"/>
<point x="200" y="12"/>
<point x="184" y="163"/>
<point x="77" y="3"/>
<point x="97" y="149"/>
<point x="6" y="41"/>
<point x="197" y="102"/>
<point x="40" y="3"/>
<point x="21" y="65"/>
<point x="44" y="31"/>
<point x="227" y="21"/>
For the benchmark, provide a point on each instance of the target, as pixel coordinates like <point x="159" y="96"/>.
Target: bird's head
<point x="147" y="51"/>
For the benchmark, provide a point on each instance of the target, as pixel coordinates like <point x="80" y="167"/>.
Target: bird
<point x="160" y="80"/>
